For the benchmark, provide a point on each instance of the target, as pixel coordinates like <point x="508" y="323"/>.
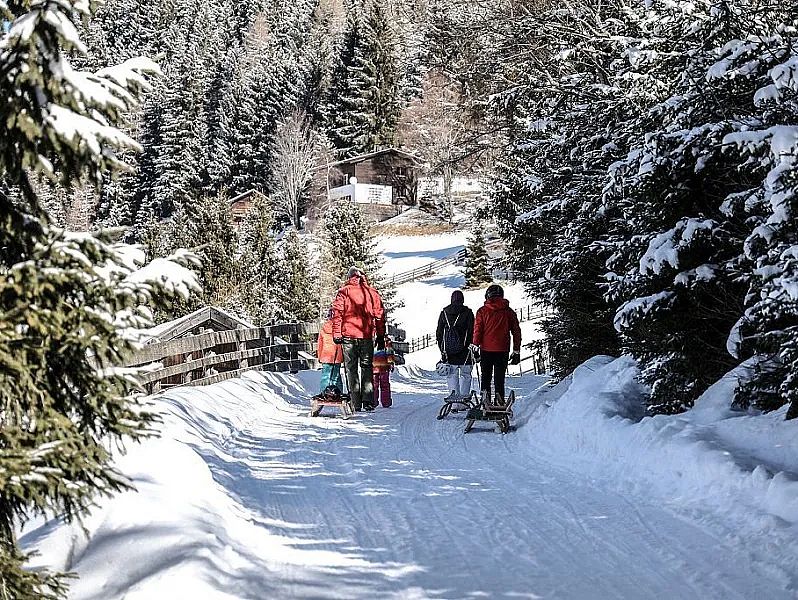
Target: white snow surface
<point x="245" y="496"/>
<point x="423" y="299"/>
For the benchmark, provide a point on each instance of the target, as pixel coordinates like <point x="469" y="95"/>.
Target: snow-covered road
<point x="396" y="504"/>
<point x="247" y="497"/>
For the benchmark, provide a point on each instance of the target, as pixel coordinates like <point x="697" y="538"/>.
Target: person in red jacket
<point x="359" y="316"/>
<point x="494" y="323"/>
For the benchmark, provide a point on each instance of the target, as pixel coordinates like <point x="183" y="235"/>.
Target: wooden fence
<point x="214" y="356"/>
<point x="425" y="271"/>
<point x="430" y="269"/>
<point x="217" y="355"/>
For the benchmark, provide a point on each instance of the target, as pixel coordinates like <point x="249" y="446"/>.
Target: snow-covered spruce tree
<point x="476" y="265"/>
<point x="293" y="287"/>
<point x="64" y="401"/>
<point x="316" y="62"/>
<point x="562" y="80"/>
<point x="365" y="96"/>
<point x="346" y="241"/>
<point x="348" y="123"/>
<point x="764" y="141"/>
<point x="267" y="91"/>
<point x="206" y="227"/>
<point x="258" y="263"/>
<point x="683" y="202"/>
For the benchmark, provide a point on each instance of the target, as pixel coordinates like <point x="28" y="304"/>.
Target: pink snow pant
<point x="382" y="388"/>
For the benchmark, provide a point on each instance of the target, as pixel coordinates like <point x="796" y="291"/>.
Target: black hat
<point x="494" y="291"/>
<point x="458" y="298"/>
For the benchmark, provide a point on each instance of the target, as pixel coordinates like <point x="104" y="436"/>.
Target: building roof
<point x="362" y="157"/>
<point x="244" y="195"/>
<point x="206" y="315"/>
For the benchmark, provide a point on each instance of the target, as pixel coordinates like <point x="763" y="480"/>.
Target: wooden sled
<point x="483" y="410"/>
<point x="344" y="404"/>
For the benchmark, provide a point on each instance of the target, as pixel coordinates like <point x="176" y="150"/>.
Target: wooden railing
<point x="430" y="269"/>
<point x="214" y="356"/>
<point x="539" y="359"/>
<point x="217" y="355"/>
<point x="422" y="272"/>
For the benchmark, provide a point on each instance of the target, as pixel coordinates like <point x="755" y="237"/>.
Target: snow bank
<point x="743" y="468"/>
<point x="182" y="534"/>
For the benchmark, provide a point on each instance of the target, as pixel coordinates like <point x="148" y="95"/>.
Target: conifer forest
<point x="637" y="161"/>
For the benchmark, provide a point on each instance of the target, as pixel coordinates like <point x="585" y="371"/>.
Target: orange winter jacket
<point x="329" y="352"/>
<point x="359" y="313"/>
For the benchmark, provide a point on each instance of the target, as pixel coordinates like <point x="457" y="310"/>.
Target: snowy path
<point x="397" y="504"/>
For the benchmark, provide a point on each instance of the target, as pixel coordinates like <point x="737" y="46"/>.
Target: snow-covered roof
<point x="246" y="194"/>
<point x="177" y="328"/>
<point x="362" y="157"/>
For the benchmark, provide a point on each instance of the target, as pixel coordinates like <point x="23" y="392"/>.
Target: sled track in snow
<point x="397" y="504"/>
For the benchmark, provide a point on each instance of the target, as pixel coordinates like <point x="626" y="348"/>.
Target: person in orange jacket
<point x="330" y="356"/>
<point x="494" y="323"/>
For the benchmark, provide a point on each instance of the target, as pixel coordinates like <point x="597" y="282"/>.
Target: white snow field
<point x="245" y="496"/>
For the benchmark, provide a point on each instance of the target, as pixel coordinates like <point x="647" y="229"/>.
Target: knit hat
<point x="457" y="298"/>
<point x="354" y="272"/>
<point x="494" y="291"/>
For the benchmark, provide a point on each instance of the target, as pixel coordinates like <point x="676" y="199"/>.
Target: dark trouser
<point x="358" y="354"/>
<point x="494" y="365"/>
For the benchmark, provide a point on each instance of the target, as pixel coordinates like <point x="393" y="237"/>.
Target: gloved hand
<point x="380" y="342"/>
<point x="443" y="358"/>
<point x="338" y="341"/>
<point x="515" y="358"/>
<point x="474" y="348"/>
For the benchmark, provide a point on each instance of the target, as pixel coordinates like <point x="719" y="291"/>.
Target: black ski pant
<point x="358" y="355"/>
<point x="494" y="366"/>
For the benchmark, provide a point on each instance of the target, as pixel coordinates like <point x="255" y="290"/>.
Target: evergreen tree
<point x="476" y="265"/>
<point x="678" y="269"/>
<point x="317" y="62"/>
<point x="65" y="299"/>
<point x="346" y="242"/>
<point x="365" y="92"/>
<point x="206" y="227"/>
<point x="562" y="136"/>
<point x="258" y="263"/>
<point x="762" y="143"/>
<point x="294" y="284"/>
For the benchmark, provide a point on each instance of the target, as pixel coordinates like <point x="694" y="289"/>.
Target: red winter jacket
<point x="494" y="323"/>
<point x="329" y="352"/>
<point x="358" y="311"/>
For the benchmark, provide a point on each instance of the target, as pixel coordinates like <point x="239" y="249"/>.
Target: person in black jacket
<point x="454" y="335"/>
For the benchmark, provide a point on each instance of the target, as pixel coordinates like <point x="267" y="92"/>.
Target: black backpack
<point x="452" y="344"/>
